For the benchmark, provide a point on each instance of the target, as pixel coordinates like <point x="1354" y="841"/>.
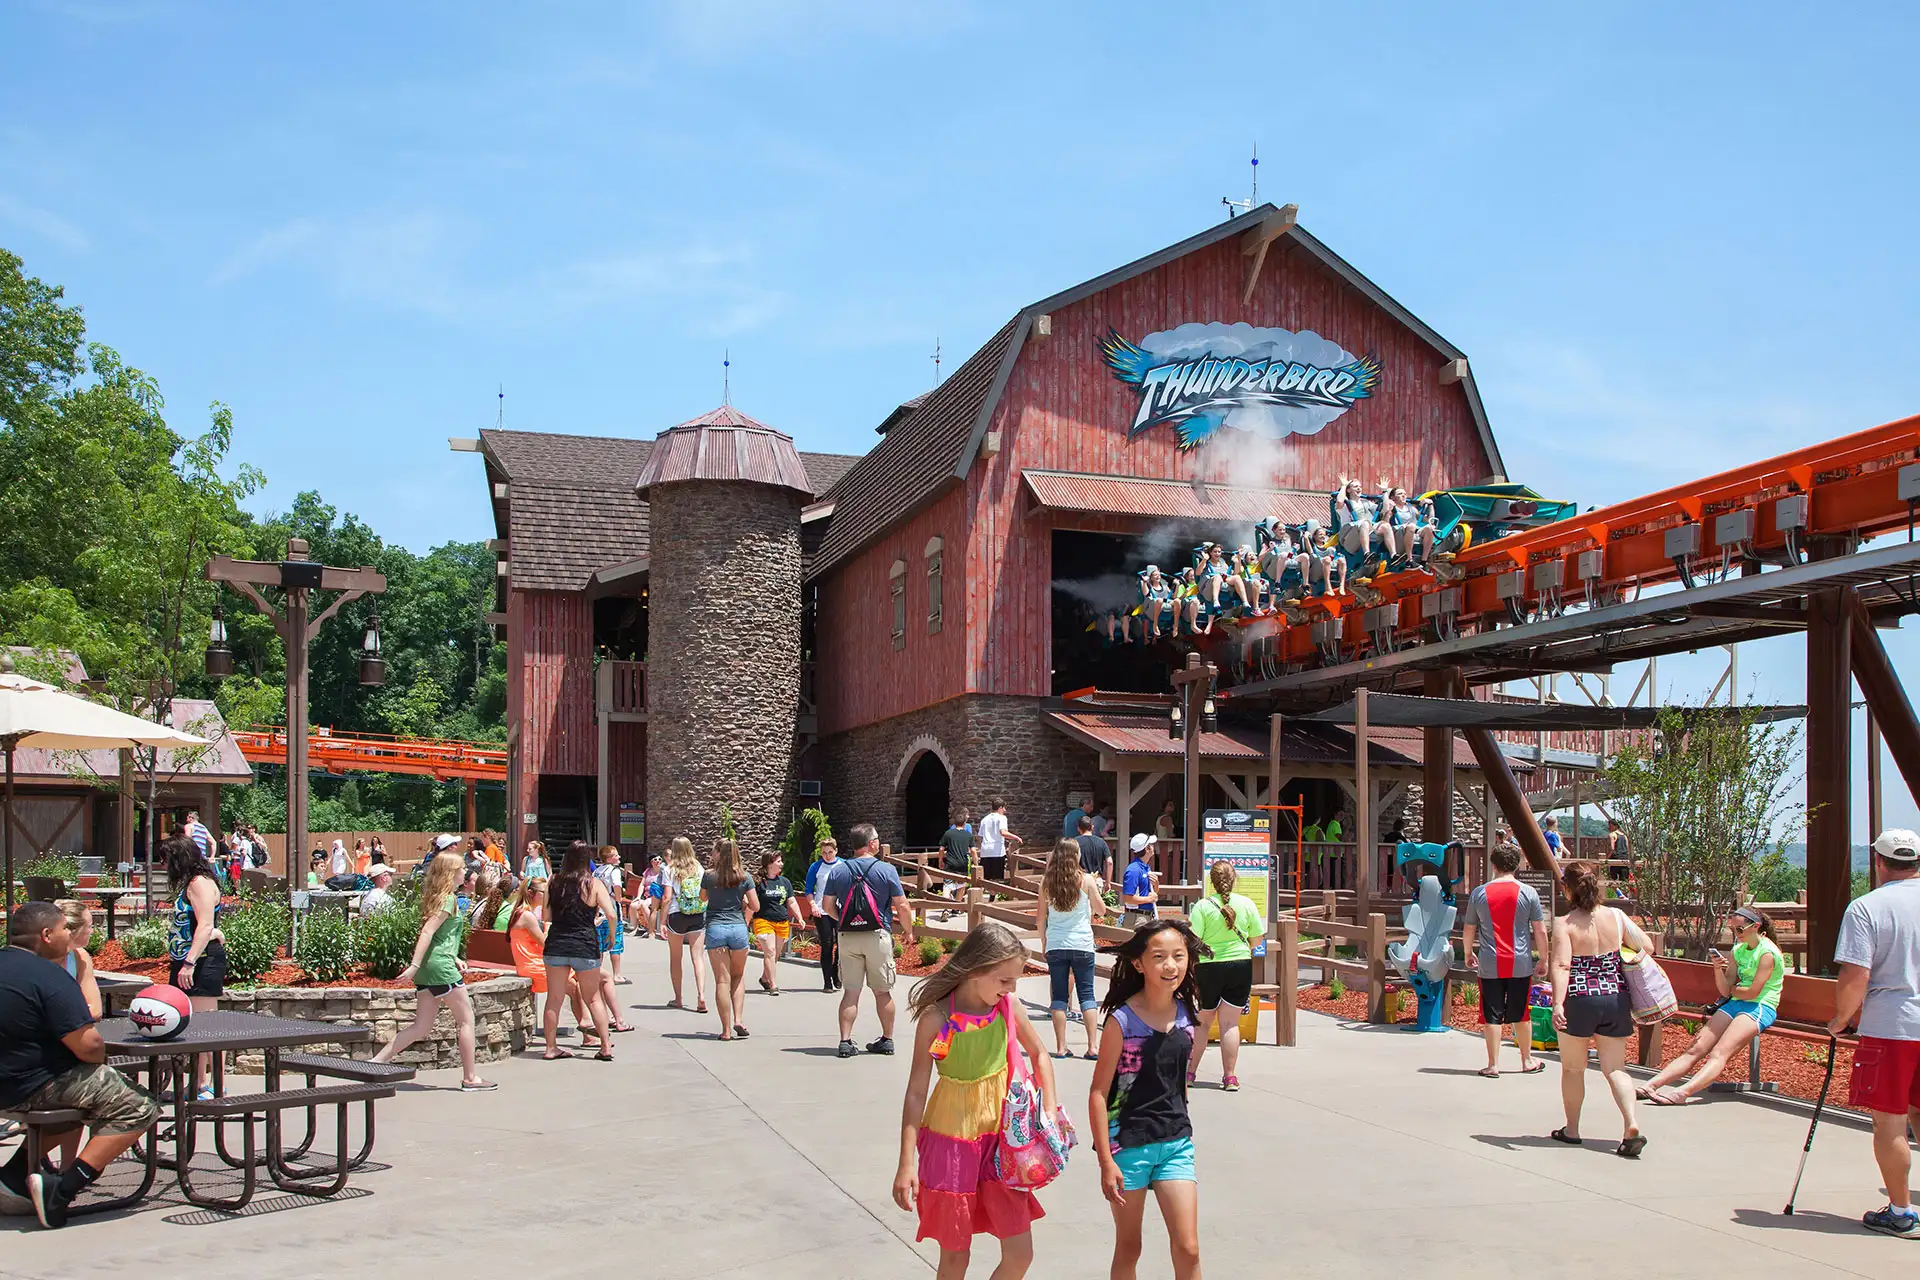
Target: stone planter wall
<point x="502" y="1013"/>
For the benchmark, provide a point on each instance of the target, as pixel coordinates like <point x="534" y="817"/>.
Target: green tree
<point x="1705" y="801"/>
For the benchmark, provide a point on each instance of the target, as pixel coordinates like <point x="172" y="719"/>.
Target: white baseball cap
<point x="379" y="869"/>
<point x="1141" y="840"/>
<point x="1898" y="845"/>
<point x="442" y="843"/>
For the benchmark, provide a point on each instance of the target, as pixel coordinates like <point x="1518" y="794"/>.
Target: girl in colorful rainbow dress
<point x="1138" y="1102"/>
<point x="947" y="1139"/>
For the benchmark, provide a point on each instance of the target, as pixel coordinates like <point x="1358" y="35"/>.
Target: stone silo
<point x="723" y="665"/>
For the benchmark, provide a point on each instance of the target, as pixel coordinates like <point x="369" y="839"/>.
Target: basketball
<point x="160" y="1012"/>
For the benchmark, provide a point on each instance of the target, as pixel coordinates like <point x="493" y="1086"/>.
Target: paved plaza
<point x="1363" y="1152"/>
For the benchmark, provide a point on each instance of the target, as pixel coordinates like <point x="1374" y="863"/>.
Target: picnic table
<point x="222" y="1031"/>
<point x="109" y="901"/>
<point x="125" y="985"/>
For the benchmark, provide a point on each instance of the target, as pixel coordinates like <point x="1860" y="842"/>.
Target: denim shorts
<point x="571" y="962"/>
<point x="1170" y="1161"/>
<point x="1075" y="967"/>
<point x="1760" y="1013"/>
<point x="726" y="935"/>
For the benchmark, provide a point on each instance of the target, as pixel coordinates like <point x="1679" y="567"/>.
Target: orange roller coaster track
<point x="378" y="753"/>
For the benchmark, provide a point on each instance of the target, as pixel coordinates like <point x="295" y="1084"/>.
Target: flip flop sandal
<point x="702" y="1008"/>
<point x="1561" y="1135"/>
<point x="555" y="1057"/>
<point x="1533" y="1068"/>
<point x="740" y="1033"/>
<point x="1063" y="1055"/>
<point x="623" y="1026"/>
<point x="1090" y="1057"/>
<point x="1491" y="1073"/>
<point x="1669" y="1098"/>
<point x="675" y="1003"/>
<point x="603" y="1056"/>
<point x="1631" y="1148"/>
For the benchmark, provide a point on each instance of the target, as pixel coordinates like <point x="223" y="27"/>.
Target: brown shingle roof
<point x="724" y="445"/>
<point x="571" y="508"/>
<point x="916" y="457"/>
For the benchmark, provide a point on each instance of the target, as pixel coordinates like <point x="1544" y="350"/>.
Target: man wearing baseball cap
<point x="1879" y="958"/>
<point x="1137" y="891"/>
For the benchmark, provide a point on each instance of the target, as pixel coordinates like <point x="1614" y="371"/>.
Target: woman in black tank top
<point x="572" y="950"/>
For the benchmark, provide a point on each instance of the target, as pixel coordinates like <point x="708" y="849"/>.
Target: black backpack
<point x="861" y="910"/>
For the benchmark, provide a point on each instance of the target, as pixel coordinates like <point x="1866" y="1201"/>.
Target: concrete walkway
<point x="1363" y="1152"/>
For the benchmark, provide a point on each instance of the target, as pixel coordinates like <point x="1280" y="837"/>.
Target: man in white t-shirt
<point x="995" y="840"/>
<point x="1878" y="952"/>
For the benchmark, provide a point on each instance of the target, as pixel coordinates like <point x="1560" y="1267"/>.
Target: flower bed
<point x="1795" y="1065"/>
<point x="284" y="973"/>
<point x="908" y="964"/>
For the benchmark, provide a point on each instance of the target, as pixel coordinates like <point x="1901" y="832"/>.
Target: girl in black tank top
<point x="572" y="934"/>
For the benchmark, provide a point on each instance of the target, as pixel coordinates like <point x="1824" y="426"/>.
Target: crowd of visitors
<point x="1177" y="980"/>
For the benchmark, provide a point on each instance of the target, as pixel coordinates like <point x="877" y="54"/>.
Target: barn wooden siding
<point x="863" y="678"/>
<point x="550" y="687"/>
<point x="626" y="769"/>
<point x="1064" y="410"/>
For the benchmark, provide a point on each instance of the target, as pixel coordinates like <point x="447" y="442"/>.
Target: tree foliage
<point x="1705" y="801"/>
<point x="108" y="517"/>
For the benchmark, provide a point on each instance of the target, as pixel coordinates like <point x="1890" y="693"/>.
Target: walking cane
<point x="1833" y="1051"/>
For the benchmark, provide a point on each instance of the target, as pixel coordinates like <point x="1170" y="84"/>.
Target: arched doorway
<point x="927" y="795"/>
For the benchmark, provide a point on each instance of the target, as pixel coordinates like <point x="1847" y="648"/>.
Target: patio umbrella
<point x="34" y="714"/>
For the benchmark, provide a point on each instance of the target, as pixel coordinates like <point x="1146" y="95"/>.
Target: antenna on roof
<point x="936" y="357"/>
<point x="726" y="377"/>
<point x="1235" y="207"/>
<point x="500" y="418"/>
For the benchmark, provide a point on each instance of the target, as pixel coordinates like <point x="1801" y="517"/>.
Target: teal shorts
<point x="1170" y="1161"/>
<point x="1760" y="1013"/>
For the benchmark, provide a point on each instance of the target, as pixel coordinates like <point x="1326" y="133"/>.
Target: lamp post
<point x="297" y="578"/>
<point x="1193" y="714"/>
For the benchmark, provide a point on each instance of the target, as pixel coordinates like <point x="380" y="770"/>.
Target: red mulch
<point x="284" y="974"/>
<point x="908" y="963"/>
<point x="1794" y="1064"/>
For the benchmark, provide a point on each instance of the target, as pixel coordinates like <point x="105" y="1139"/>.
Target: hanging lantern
<point x="219" y="657"/>
<point x="1209" y="722"/>
<point x="1176" y="721"/>
<point x="373" y="667"/>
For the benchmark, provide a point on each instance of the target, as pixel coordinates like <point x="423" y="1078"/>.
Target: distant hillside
<point x="1797" y="855"/>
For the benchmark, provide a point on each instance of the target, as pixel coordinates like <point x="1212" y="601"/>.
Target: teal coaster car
<point x="1488" y="511"/>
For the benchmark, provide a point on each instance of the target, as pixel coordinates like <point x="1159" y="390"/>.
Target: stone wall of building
<point x="723" y="662"/>
<point x="1468" y="823"/>
<point x="502" y="1012"/>
<point x="994" y="748"/>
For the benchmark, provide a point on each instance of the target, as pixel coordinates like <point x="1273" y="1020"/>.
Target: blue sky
<point x="1669" y="242"/>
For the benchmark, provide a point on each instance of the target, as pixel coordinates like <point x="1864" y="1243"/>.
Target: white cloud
<point x="423" y="262"/>
<point x="44" y="223"/>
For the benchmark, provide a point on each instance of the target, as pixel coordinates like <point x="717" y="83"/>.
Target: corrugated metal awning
<point x="1171" y="499"/>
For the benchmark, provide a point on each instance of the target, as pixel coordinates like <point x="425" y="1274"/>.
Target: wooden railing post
<point x="1376" y="967"/>
<point x="973" y="907"/>
<point x="1286" y="1002"/>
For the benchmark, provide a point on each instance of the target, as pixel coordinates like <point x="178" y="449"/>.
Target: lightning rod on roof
<point x="726" y="376"/>
<point x="500" y="417"/>
<point x="1235" y="207"/>
<point x="936" y="358"/>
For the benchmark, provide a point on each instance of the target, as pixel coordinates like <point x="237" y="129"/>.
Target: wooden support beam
<point x="1363" y="834"/>
<point x="1830" y="642"/>
<point x="1436" y="765"/>
<point x="1512" y="800"/>
<point x="1453" y="371"/>
<point x="1254" y="245"/>
<point x="1889" y="710"/>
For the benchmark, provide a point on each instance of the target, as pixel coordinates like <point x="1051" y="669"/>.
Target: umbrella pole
<point x="9" y="833"/>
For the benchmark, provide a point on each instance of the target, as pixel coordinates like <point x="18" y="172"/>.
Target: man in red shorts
<point x="1879" y="958"/>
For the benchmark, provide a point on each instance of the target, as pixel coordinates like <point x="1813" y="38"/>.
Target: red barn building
<point x="949" y="571"/>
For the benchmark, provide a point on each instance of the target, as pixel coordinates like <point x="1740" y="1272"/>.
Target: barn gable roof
<point x="936" y="442"/>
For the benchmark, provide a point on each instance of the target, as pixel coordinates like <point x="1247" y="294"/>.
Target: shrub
<point x="899" y="948"/>
<point x="931" y="950"/>
<point x="384" y="939"/>
<point x="949" y="945"/>
<point x="96" y="940"/>
<point x="146" y="940"/>
<point x="255" y="933"/>
<point x="1337" y="987"/>
<point x="54" y="866"/>
<point x="325" y="949"/>
<point x="1469" y="993"/>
